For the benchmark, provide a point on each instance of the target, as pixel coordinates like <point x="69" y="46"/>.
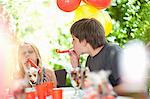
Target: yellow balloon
<point x="106" y="21"/>
<point x="87" y="11"/>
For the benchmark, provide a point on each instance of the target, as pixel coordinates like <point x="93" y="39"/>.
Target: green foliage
<point x="131" y="20"/>
<point x="25" y="16"/>
<point x="145" y="24"/>
<point x="60" y="42"/>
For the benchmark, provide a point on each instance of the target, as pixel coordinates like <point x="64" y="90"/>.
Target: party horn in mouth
<point x="34" y="65"/>
<point x="62" y="51"/>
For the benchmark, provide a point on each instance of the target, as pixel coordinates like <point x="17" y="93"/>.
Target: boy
<point x="89" y="38"/>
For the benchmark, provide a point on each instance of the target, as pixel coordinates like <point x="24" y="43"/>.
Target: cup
<point x="40" y="89"/>
<point x="57" y="93"/>
<point x="49" y="88"/>
<point x="30" y="93"/>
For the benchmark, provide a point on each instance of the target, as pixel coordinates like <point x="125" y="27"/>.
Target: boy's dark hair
<point x="90" y="30"/>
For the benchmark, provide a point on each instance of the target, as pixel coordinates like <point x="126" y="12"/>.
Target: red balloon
<point x="100" y="4"/>
<point x="68" y="5"/>
<point x="84" y="1"/>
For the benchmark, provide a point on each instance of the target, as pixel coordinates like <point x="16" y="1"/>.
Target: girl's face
<point x="78" y="46"/>
<point x="27" y="52"/>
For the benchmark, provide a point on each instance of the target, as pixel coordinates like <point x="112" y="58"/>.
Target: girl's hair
<point x="39" y="61"/>
<point x="90" y="30"/>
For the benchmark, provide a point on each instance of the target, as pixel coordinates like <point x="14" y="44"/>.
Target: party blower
<point x="66" y="51"/>
<point x="34" y="65"/>
<point x="63" y="51"/>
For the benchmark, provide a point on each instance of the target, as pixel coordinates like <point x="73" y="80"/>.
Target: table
<point x="68" y="92"/>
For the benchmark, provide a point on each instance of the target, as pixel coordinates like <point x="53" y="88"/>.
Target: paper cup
<point x="40" y="89"/>
<point x="49" y="87"/>
<point x="57" y="94"/>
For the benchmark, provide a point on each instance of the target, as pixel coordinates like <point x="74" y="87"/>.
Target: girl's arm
<point x="50" y="76"/>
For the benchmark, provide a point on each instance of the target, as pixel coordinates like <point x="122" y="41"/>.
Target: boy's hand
<point x="74" y="58"/>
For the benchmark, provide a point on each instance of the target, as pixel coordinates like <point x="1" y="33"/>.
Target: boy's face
<point x="77" y="45"/>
